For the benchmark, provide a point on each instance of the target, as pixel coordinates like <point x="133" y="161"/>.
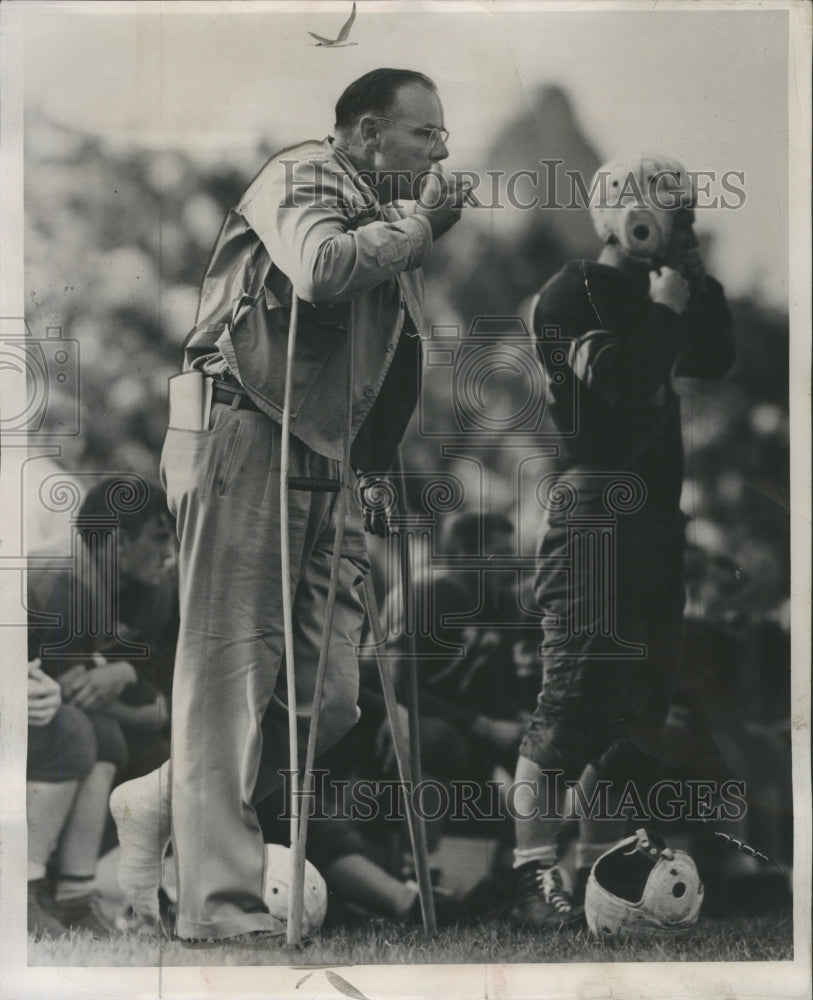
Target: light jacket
<point x="310" y="223"/>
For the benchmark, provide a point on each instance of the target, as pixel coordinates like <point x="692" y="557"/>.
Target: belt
<point x="237" y="398"/>
<point x="233" y="395"/>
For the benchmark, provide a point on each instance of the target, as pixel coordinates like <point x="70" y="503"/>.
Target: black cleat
<point x="84" y="913"/>
<point x="544" y="898"/>
<point x="41" y="922"/>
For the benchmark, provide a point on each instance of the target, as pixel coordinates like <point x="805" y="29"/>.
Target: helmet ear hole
<point x="679" y="889"/>
<point x="636" y="192"/>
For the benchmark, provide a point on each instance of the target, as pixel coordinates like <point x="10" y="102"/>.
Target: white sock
<point x="141" y="810"/>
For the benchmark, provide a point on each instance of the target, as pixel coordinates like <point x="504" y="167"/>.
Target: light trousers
<point x="229" y="703"/>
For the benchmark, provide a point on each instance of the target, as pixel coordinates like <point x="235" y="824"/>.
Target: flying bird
<point x="341" y="38"/>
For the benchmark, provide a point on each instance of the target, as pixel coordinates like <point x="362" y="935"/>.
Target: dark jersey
<point x="616" y="408"/>
<point x="146" y="615"/>
<point x="466" y="667"/>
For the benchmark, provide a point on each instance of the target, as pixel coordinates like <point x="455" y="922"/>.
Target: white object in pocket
<point x="190" y="401"/>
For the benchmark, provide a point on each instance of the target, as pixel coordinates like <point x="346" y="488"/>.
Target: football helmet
<point x="634" y="202"/>
<point x="641" y="886"/>
<point x="277" y="882"/>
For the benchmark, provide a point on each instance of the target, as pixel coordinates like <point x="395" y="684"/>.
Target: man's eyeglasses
<point x="433" y="135"/>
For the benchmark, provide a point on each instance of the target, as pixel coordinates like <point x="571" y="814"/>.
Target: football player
<point x="644" y="312"/>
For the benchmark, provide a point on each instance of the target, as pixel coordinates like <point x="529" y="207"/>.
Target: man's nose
<point x="440" y="152"/>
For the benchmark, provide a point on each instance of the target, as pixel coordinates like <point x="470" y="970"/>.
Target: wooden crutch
<point x="420" y="846"/>
<point x="300" y="804"/>
<point x="420" y="852"/>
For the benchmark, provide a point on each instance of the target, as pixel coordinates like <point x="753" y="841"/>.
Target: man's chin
<point x="400" y="185"/>
<point x="407" y="186"/>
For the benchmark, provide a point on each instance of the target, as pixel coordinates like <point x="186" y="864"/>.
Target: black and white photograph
<point x="405" y="538"/>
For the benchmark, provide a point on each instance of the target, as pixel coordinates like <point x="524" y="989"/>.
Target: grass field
<point x="379" y="943"/>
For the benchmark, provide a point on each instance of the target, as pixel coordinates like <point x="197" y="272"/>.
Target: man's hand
<point x="503" y="734"/>
<point x="102" y="685"/>
<point x="670" y="289"/>
<point x="441" y="202"/>
<point x="44" y="695"/>
<point x="377" y="504"/>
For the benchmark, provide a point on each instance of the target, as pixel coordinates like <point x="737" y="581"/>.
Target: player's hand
<point x="670" y="289"/>
<point x="70" y="680"/>
<point x="684" y="252"/>
<point x="503" y="734"/>
<point x="441" y="202"/>
<point x="103" y="684"/>
<point x="44" y="695"/>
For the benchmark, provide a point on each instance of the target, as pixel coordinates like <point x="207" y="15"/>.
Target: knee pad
<point x="64" y="750"/>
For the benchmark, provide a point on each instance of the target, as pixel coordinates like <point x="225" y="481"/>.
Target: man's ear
<point x="369" y="131"/>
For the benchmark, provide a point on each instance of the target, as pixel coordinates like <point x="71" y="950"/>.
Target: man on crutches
<point x="315" y="231"/>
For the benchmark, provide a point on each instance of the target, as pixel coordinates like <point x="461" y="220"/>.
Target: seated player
<point x="472" y="706"/>
<point x="125" y="699"/>
<point x="737" y="675"/>
<point x="345" y="854"/>
<point x="644" y="311"/>
<point x="67" y="790"/>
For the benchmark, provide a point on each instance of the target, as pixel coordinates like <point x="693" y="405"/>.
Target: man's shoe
<point x="84" y="913"/>
<point x="544" y="898"/>
<point x="249" y="939"/>
<point x="41" y="923"/>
